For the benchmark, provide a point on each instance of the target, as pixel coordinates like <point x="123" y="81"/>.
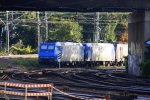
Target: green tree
<point x="111" y="36"/>
<point x="27" y="34"/>
<point x="66" y="30"/>
<point x="25" y="30"/>
<point x="113" y="25"/>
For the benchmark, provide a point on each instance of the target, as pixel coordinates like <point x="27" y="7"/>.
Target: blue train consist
<point x="70" y="53"/>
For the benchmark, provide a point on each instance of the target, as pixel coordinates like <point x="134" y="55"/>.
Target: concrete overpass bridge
<point x="138" y="23"/>
<point x="76" y="5"/>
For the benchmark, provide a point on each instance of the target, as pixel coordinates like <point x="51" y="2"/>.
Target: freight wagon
<point x="121" y="52"/>
<point x="99" y="53"/>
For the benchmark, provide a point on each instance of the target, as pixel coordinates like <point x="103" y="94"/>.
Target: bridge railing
<point x="26" y="93"/>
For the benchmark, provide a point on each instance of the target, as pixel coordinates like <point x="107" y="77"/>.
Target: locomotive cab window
<point x="44" y="47"/>
<point x="47" y="47"/>
<point x="50" y="47"/>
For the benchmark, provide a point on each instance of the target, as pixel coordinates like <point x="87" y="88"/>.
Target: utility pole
<point x="12" y="18"/>
<point x="38" y="28"/>
<point x="46" y="26"/>
<point x="96" y="21"/>
<point x="97" y="27"/>
<point x="1" y="38"/>
<point x="7" y="30"/>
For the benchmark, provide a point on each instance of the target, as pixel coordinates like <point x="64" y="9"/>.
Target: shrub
<point x="145" y="67"/>
<point x="14" y="50"/>
<point x="19" y="44"/>
<point x="28" y="50"/>
<point x="126" y="63"/>
<point x="3" y="52"/>
<point x="34" y="51"/>
<point x="17" y="48"/>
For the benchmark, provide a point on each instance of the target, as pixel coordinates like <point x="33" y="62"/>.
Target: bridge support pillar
<point x="138" y="33"/>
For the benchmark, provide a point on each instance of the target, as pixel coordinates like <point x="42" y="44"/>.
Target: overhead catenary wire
<point x="81" y="18"/>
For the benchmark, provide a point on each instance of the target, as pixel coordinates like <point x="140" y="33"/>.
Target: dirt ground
<point x="20" y="56"/>
<point x="16" y="60"/>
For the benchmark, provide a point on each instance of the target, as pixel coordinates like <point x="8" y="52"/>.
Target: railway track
<point x="88" y="83"/>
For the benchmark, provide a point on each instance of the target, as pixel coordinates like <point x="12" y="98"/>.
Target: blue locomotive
<point x="49" y="52"/>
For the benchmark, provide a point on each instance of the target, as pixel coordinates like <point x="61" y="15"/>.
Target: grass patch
<point x="27" y="62"/>
<point x="1" y="65"/>
<point x="110" y="66"/>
